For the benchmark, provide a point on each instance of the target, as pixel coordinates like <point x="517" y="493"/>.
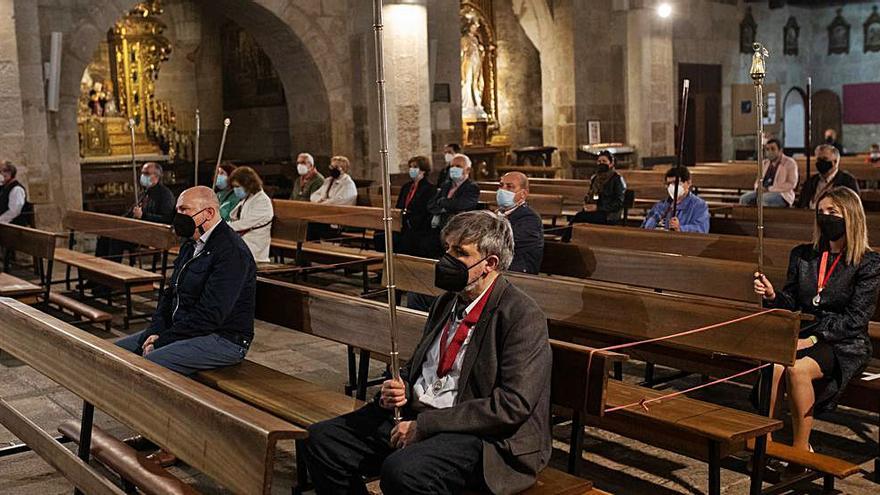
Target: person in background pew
<point x="528" y="230"/>
<point x="13" y="198"/>
<point x="828" y="175"/>
<point x="205" y="316"/>
<point x="415" y="229"/>
<point x="225" y="194"/>
<point x="780" y="178"/>
<point x="339" y="189"/>
<point x="836" y="279"/>
<point x="831" y="140"/>
<point x="156" y="205"/>
<point x="309" y="181"/>
<point x="692" y="213"/>
<point x="474" y="397"/>
<point x="454" y="196"/>
<point x="449" y="152"/>
<point x="252" y="216"/>
<point x="603" y="204"/>
<point x="874" y="156"/>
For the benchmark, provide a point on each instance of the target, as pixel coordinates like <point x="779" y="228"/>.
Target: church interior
<point x="674" y="158"/>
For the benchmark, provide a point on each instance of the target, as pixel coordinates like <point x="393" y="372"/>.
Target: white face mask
<point x="448" y="158"/>
<point x="302" y="169"/>
<point x="681" y="190"/>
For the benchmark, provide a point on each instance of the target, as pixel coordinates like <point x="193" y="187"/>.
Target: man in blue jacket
<point x="691" y="212"/>
<point x="205" y="317"/>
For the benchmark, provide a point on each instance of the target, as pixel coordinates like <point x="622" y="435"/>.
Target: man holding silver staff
<point x="474" y="397"/>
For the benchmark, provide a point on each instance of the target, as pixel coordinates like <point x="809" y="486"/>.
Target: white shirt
<point x="203" y="239"/>
<point x="341" y="191"/>
<point x="423" y="391"/>
<point x="16" y="203"/>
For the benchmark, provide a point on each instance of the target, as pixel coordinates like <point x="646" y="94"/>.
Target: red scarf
<point x="449" y="353"/>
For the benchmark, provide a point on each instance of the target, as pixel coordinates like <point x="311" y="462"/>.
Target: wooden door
<point x="702" y="141"/>
<point x="826" y="115"/>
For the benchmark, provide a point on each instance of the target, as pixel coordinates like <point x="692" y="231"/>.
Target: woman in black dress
<point x="836" y="279"/>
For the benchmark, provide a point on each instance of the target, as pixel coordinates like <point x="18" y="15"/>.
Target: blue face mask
<point x="414" y="172"/>
<point x="505" y="198"/>
<point x="146" y="181"/>
<point x="222" y="182"/>
<point x="455" y="173"/>
<point x="239" y="191"/>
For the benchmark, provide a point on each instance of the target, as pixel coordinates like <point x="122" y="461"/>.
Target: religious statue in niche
<point x="473" y="53"/>
<point x="872" y="32"/>
<point x="790" y="34"/>
<point x="249" y="79"/>
<point x="747" y="30"/>
<point x="838" y="35"/>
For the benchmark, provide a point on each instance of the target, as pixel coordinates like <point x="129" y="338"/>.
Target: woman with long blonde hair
<point x="836" y="279"/>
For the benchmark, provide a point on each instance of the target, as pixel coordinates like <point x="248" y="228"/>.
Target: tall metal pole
<point x="809" y="127"/>
<point x="682" y="121"/>
<point x="134" y="168"/>
<point x="198" y="135"/>
<point x="386" y="193"/>
<point x="226" y="123"/>
<point x="758" y="72"/>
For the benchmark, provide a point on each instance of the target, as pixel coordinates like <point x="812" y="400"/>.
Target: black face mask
<point x="450" y="274"/>
<point x="832" y="227"/>
<point x="335" y="173"/>
<point x="829" y="140"/>
<point x="603" y="167"/>
<point x="824" y="166"/>
<point x="185" y="226"/>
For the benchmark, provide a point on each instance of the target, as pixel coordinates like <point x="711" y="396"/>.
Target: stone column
<point x="650" y="83"/>
<point x="12" y="123"/>
<point x="407" y="81"/>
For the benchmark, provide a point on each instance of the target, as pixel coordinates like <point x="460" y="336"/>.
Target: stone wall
<point x="519" y="81"/>
<point x="444" y="48"/>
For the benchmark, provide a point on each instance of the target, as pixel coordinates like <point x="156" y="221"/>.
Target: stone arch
<point x="274" y="24"/>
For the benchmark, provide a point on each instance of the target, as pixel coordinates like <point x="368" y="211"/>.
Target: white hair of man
<point x="309" y="158"/>
<point x="491" y="233"/>
<point x="467" y="159"/>
<point x="835" y="153"/>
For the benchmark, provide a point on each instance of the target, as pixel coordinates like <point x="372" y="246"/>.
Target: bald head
<point x="517" y="183"/>
<point x="202" y="205"/>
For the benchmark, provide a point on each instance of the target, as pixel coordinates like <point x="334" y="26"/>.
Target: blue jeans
<point x="772" y="199"/>
<point x="191" y="355"/>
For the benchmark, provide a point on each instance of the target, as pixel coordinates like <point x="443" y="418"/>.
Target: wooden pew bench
<point x="578" y="382"/>
<point x="14" y="287"/>
<point x="177" y="413"/>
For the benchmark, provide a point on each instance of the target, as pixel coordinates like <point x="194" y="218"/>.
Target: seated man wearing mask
<point x="528" y="230"/>
<point x="308" y="178"/>
<point x="828" y="177"/>
<point x="780" y="178"/>
<point x="474" y="396"/>
<point x="205" y="316"/>
<point x="454" y="196"/>
<point x="449" y="152"/>
<point x="691" y="212"/>
<point x="603" y="204"/>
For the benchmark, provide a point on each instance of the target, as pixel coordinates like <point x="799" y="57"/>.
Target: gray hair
<point x="467" y="159"/>
<point x="156" y="167"/>
<point x="491" y="233"/>
<point x="827" y="147"/>
<point x="309" y="158"/>
<point x="7" y="165"/>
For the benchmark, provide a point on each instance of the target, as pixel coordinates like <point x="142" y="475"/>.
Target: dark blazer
<point x="466" y="198"/>
<point x="528" y="240"/>
<point x="610" y="200"/>
<point x="215" y="292"/>
<point x="847" y="305"/>
<point x="504" y="389"/>
<point x="159" y="204"/>
<point x="843" y="178"/>
<point x="416" y="220"/>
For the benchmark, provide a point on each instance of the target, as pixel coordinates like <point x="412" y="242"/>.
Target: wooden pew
<point x="116" y="276"/>
<point x="785" y="223"/>
<point x="229" y="441"/>
<point x="578" y="381"/>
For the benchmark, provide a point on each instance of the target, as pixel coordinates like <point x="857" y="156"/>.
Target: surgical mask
<point x="414" y="172"/>
<point x="335" y="173"/>
<point x="222" y="182"/>
<point x="455" y="173"/>
<point x="603" y="167"/>
<point x="239" y="191"/>
<point x="146" y="181"/>
<point x="302" y="169"/>
<point x="831" y="226"/>
<point x="505" y="198"/>
<point x="681" y="190"/>
<point x="448" y="158"/>
<point x="875" y="156"/>
<point x="451" y="275"/>
<point x="824" y="166"/>
<point x="185" y="225"/>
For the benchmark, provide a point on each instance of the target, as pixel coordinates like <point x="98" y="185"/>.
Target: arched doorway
<point x="826" y="115"/>
<point x="794" y="121"/>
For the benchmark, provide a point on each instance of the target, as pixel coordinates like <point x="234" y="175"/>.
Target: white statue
<point x="472" y="53"/>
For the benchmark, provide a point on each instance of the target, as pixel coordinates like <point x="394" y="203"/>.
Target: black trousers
<point x="341" y="452"/>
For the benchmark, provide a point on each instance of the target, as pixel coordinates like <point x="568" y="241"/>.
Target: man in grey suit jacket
<point x="475" y="396"/>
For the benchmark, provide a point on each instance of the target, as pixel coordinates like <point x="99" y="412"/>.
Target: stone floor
<point x="615" y="464"/>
